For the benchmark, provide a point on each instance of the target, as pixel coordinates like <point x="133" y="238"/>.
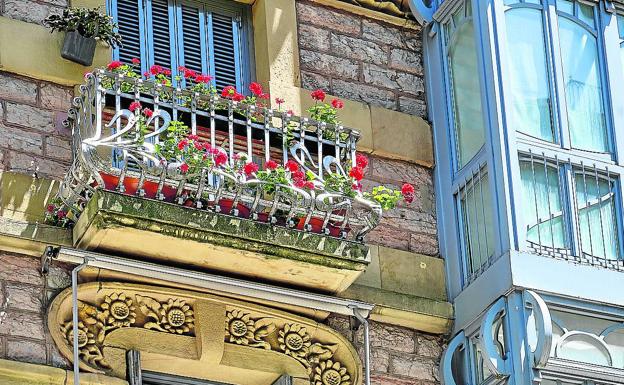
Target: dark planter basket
<point x="78" y="48"/>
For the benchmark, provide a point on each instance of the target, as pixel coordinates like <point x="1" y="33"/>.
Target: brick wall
<point x="24" y="297"/>
<point x="32" y="136"/>
<point x="31" y="11"/>
<point x="359" y="58"/>
<point x="399" y="356"/>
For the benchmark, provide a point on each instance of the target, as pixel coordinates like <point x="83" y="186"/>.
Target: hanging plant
<point x="83" y="27"/>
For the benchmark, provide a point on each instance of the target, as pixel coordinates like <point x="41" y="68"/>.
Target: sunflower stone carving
<point x="240" y="329"/>
<point x="118" y="311"/>
<point x="331" y="373"/>
<point x="173" y="316"/>
<point x="294" y="341"/>
<point x="89" y="351"/>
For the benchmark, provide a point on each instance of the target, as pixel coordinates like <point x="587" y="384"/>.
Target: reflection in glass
<point x="542" y="208"/>
<point x="529" y="96"/>
<point x="466" y="91"/>
<point x="476" y="211"/>
<point x="583" y="348"/>
<point x="597" y="223"/>
<point x="583" y="89"/>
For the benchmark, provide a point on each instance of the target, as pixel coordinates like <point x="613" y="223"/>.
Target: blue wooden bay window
<point x="207" y="36"/>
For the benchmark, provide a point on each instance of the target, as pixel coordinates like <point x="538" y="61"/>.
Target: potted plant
<point x="83" y="27"/>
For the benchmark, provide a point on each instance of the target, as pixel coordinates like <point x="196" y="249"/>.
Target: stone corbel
<point x="198" y="335"/>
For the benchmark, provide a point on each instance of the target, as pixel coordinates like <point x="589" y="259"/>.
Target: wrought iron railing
<point x="113" y="151"/>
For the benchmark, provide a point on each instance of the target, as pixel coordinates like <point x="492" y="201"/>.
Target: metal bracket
<point x="50" y="253"/>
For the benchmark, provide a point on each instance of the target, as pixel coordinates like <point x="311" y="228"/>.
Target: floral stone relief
<point x="105" y="308"/>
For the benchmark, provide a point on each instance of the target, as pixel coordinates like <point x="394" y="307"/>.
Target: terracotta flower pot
<point x="317" y="226"/>
<point x="226" y="207"/>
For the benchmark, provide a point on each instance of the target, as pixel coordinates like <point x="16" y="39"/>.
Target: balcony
<point x="132" y="198"/>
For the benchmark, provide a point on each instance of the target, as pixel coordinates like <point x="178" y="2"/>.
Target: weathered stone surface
<point x="329" y="65"/>
<point x="411" y="366"/>
<point x="364" y="93"/>
<point x="31" y="117"/>
<point x="56" y="97"/>
<point x="58" y="147"/>
<point x="329" y="18"/>
<point x="424" y="244"/>
<point x="380" y="359"/>
<point x="19" y="324"/>
<point x="313" y="38"/>
<point x="55" y="358"/>
<point x="45" y="167"/>
<point x="312" y="81"/>
<point x="22" y="140"/>
<point x="386" y="34"/>
<point x="383" y="379"/>
<point x="20" y="269"/>
<point x="342" y="325"/>
<point x="406" y="60"/>
<point x="429" y="346"/>
<point x="411" y="220"/>
<point x="390" y="237"/>
<point x="29" y="11"/>
<point x="413" y="106"/>
<point x="389" y="337"/>
<point x="58" y="277"/>
<point x="17" y="89"/>
<point x="355" y="48"/>
<point x="26" y="351"/>
<point x="391" y="79"/>
<point x="382" y="169"/>
<point x="23" y="297"/>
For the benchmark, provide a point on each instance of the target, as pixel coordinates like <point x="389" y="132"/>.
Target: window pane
<point x="478" y="227"/>
<point x="598" y="226"/>
<point x="566" y="6"/>
<point x="529" y="94"/>
<point x="541" y="205"/>
<point x="583" y="88"/>
<point x="466" y="91"/>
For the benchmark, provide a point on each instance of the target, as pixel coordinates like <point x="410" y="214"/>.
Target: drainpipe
<point x="364" y="321"/>
<point x="75" y="272"/>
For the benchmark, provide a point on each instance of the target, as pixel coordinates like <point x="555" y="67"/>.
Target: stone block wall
<point x="24" y="297"/>
<point x="32" y="136"/>
<point x="31" y="11"/>
<point x="360" y="58"/>
<point x="399" y="356"/>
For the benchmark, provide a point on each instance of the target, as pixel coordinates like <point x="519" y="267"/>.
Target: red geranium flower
<point x="357" y="173"/>
<point x="192" y="137"/>
<point x="299" y="182"/>
<point x="357" y="186"/>
<point x="279" y="101"/>
<point x="184" y="168"/>
<point x="136" y="60"/>
<point x="182" y="144"/>
<point x="228" y="92"/>
<point x="114" y="65"/>
<point x="134" y="106"/>
<point x="309" y="185"/>
<point x="318" y="95"/>
<point x="298" y="175"/>
<point x="250" y="168"/>
<point x="255" y="88"/>
<point x="156" y="69"/>
<point x="61" y="214"/>
<point x="264" y="96"/>
<point x="408" y="192"/>
<point x="147" y="112"/>
<point x="220" y="158"/>
<point x="189" y="73"/>
<point x="292" y="166"/>
<point x="166" y="72"/>
<point x="146" y="74"/>
<point x="238" y="97"/>
<point x="203" y="78"/>
<point x="50" y="208"/>
<point x="361" y="161"/>
<point x="337" y="103"/>
<point x="271" y="165"/>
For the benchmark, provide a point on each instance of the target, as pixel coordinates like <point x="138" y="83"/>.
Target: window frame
<point x="244" y="51"/>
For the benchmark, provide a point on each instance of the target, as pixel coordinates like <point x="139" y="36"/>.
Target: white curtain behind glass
<point x="579" y="54"/>
<point x="469" y="127"/>
<point x="541" y="205"/>
<point x="476" y="206"/>
<point x="529" y="93"/>
<point x="598" y="228"/>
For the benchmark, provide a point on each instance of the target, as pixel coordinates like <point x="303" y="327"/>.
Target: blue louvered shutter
<point x="162" y="48"/>
<point x="127" y="15"/>
<point x="225" y="49"/>
<point x="193" y="54"/>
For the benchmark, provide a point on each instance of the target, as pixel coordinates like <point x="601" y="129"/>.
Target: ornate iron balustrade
<point x="113" y="150"/>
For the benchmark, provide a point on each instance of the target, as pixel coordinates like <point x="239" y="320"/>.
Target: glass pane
<point x="598" y="226"/>
<point x="529" y="91"/>
<point x="584" y="348"/>
<point x="583" y="88"/>
<point x="478" y="225"/>
<point x="466" y="92"/>
<point x="586" y="14"/>
<point x="541" y="206"/>
<point x="566" y="6"/>
<point x="620" y="23"/>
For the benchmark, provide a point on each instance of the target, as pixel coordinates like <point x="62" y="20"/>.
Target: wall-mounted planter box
<point x="78" y="48"/>
<point x="156" y="231"/>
